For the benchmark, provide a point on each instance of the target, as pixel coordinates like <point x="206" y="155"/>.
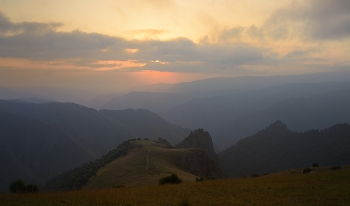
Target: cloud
<point x="6" y="26"/>
<point x="41" y="42"/>
<point x="328" y="19"/>
<point x="315" y="19"/>
<point x="228" y="34"/>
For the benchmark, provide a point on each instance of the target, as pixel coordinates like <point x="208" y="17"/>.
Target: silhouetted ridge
<point x="278" y="125"/>
<point x="276" y="148"/>
<point x="164" y="142"/>
<point x="271" y="134"/>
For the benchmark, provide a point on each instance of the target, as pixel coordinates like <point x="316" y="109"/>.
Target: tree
<point x="32" y="188"/>
<point x="172" y="179"/>
<point x="17" y="186"/>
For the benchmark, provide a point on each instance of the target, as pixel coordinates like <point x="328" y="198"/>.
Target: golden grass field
<point x="321" y="187"/>
<point x="143" y="166"/>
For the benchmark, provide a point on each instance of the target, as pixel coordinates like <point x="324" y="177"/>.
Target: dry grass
<point x="322" y="187"/>
<point x="143" y="166"/>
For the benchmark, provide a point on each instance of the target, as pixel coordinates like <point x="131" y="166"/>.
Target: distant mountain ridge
<point x="155" y="102"/>
<point x="176" y="94"/>
<point x="229" y="118"/>
<point x="276" y="148"/>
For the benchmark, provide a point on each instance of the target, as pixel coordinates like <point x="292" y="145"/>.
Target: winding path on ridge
<point x="147" y="161"/>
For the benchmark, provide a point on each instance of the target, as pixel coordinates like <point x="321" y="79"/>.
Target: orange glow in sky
<point x="153" y="77"/>
<point x="112" y="65"/>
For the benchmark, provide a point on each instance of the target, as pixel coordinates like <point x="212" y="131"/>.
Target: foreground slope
<point x="276" y="148"/>
<point x="138" y="163"/>
<point x="320" y="187"/>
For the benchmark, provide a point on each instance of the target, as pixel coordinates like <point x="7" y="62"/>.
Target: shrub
<point x="32" y="188"/>
<point x="172" y="179"/>
<point x="145" y="139"/>
<point x="17" y="186"/>
<point x="338" y="167"/>
<point x="255" y="175"/>
<point x="315" y="165"/>
<point x="306" y="170"/>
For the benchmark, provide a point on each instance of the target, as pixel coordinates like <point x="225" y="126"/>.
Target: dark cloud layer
<point x="329" y="19"/>
<point x="315" y="19"/>
<point x="39" y="41"/>
<point x="319" y="20"/>
<point x="6" y="26"/>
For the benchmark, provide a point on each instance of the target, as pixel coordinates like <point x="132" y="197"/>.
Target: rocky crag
<point x="201" y="159"/>
<point x="200" y="139"/>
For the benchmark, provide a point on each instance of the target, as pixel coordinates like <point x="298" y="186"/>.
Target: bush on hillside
<point x="306" y="170"/>
<point x="255" y="175"/>
<point x="32" y="188"/>
<point x="18" y="186"/>
<point x="315" y="165"/>
<point x="171" y="179"/>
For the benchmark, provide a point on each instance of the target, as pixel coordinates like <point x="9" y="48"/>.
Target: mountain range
<point x="233" y="108"/>
<point x="230" y="118"/>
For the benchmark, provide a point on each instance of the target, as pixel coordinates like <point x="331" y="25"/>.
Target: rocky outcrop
<point x="200" y="139"/>
<point x="164" y="142"/>
<point x="198" y="162"/>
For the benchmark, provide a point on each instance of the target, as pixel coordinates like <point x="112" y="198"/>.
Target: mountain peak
<point x="199" y="138"/>
<point x="278" y="124"/>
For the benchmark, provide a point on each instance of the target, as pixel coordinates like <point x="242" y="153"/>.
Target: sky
<point x="111" y="45"/>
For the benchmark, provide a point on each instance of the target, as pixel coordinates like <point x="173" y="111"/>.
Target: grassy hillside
<point x="138" y="163"/>
<point x="145" y="164"/>
<point x="322" y="186"/>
